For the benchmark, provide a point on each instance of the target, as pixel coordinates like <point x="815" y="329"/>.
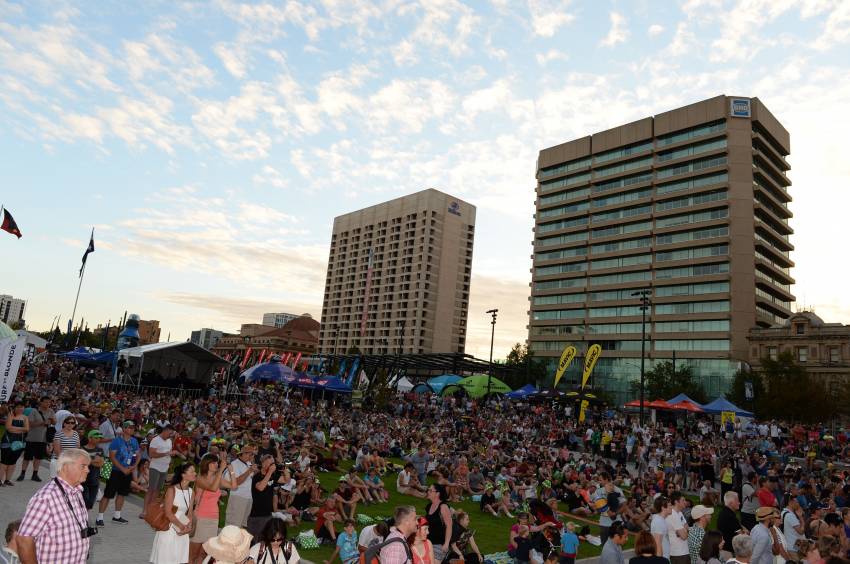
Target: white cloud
<point x="234" y="58"/>
<point x="550" y="55"/>
<point x="618" y="33"/>
<point x="162" y="56"/>
<point x="272" y="176"/>
<point x="409" y="104"/>
<point x="655" y="30"/>
<point x="86" y="127"/>
<point x="445" y="25"/>
<point x="836" y="30"/>
<point x="548" y="16"/>
<point x="683" y="41"/>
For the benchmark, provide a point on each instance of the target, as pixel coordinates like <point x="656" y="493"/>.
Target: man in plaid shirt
<point x="50" y="531"/>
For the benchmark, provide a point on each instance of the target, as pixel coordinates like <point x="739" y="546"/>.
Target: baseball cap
<point x="128" y="423"/>
<point x="95" y="434"/>
<point x="700" y="511"/>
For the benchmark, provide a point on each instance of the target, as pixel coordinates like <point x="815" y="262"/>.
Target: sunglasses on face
<point x="70" y="422"/>
<point x="278" y="539"/>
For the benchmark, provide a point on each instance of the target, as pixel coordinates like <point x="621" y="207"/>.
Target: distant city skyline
<point x="210" y="145"/>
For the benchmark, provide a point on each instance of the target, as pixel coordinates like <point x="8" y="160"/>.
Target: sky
<point x="210" y="144"/>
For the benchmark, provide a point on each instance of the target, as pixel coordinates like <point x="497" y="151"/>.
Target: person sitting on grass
<point x="375" y="486"/>
<point x="407" y="482"/>
<point x="345" y="499"/>
<point x="489" y="503"/>
<point x="326" y="516"/>
<point x="346" y="545"/>
<point x="359" y="486"/>
<point x="463" y="540"/>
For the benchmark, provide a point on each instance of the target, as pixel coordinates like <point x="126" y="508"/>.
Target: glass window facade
<point x="718" y="306"/>
<point x="621" y="167"/>
<point x="693" y="345"/>
<point x="696" y="235"/>
<point x="566" y="167"/>
<point x="620" y="278"/>
<point x="688" y="201"/>
<point x="620" y="229"/>
<point x="563" y="224"/>
<point x="690" y="271"/>
<point x="560" y="268"/>
<point x="696" y="217"/>
<point x="619" y="311"/>
<point x="692" y="326"/>
<point x="564" y="253"/>
<point x="621" y="213"/>
<point x="565" y="195"/>
<point x="621" y="198"/>
<point x="692" y="166"/>
<point x="691" y="289"/>
<point x="562" y="239"/>
<point x="617" y="262"/>
<point x="558" y="284"/>
<point x="557" y="314"/>
<point x="623" y="152"/>
<point x="614" y="328"/>
<point x="690" y="150"/>
<point x="699" y="252"/>
<point x="692" y="133"/>
<point x="638" y="243"/>
<point x="560" y="299"/>
<point x="550" y="185"/>
<point x="697" y="182"/>
<point x="621" y="182"/>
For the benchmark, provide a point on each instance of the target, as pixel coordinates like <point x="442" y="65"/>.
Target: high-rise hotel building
<point x="691" y="204"/>
<point x="398" y="277"/>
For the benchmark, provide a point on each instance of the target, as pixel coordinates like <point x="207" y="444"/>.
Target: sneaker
<point x="99" y="523"/>
<point x="8" y="483"/>
<point x="35" y="478"/>
<point x="119" y="520"/>
<point x="21" y="477"/>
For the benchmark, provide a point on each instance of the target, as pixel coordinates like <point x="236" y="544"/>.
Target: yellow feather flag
<point x="566" y="359"/>
<point x="584" y="404"/>
<point x="590" y="359"/>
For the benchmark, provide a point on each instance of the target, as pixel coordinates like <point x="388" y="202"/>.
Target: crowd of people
<point x="547" y="476"/>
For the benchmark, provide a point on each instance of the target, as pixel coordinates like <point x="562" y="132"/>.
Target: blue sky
<point x="212" y="143"/>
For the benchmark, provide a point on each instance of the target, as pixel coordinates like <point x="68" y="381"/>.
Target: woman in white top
<point x="171" y="546"/>
<point x="274" y="547"/>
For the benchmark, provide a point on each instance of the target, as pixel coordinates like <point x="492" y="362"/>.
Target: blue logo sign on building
<point x="454" y="208"/>
<point x="740" y="107"/>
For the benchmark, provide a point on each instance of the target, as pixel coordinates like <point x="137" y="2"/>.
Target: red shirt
<point x="766" y="497"/>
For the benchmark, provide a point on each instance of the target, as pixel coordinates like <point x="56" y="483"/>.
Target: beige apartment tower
<point x="691" y="204"/>
<point x="398" y="277"/>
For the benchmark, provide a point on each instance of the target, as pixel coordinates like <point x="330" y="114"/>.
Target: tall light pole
<point x="492" y="312"/>
<point x="644" y="306"/>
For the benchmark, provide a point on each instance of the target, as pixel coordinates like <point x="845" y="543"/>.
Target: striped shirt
<point x="68" y="442"/>
<point x="56" y="531"/>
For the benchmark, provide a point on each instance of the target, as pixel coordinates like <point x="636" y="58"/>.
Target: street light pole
<point x="644" y="306"/>
<point x="492" y="312"/>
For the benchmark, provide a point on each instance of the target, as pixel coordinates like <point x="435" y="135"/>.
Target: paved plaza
<point x="127" y="544"/>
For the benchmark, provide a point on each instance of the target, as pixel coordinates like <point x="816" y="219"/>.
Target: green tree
<point x="663" y="382"/>
<point x="526" y="369"/>
<point x="793" y="394"/>
<point x="737" y="393"/>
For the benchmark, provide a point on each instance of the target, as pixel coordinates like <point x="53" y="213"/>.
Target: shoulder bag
<point x="155" y="515"/>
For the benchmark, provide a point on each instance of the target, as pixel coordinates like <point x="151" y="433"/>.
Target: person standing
<point x="677" y="531"/>
<point x="700" y="515"/>
<point x="172" y="545"/>
<point x="728" y="523"/>
<point x="646" y="550"/>
<point x="110" y="429"/>
<point x="793" y="523"/>
<point x="40" y="418"/>
<point x="749" y="501"/>
<point x="55" y="525"/>
<point x="612" y="550"/>
<point x="124" y="454"/>
<point x="262" y="496"/>
<point x="395" y="549"/>
<point x="12" y="445"/>
<point x="160" y="451"/>
<point x="207" y="493"/>
<point x="439" y="516"/>
<point x="92" y="481"/>
<point x="658" y="526"/>
<point x="240" y="499"/>
<point x="762" y="537"/>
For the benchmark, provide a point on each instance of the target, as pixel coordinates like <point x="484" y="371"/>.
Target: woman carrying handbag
<point x="171" y="546"/>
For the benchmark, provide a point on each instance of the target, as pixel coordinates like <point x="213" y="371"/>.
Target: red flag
<point x="245" y="360"/>
<point x="286" y="358"/>
<point x="9" y="224"/>
<point x="297" y="360"/>
<point x="304" y="366"/>
<point x="262" y="356"/>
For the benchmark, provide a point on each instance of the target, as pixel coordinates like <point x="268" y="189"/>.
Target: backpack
<point x="373" y="553"/>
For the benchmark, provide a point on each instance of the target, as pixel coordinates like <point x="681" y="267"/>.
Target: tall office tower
<point x="691" y="204"/>
<point x="398" y="277"/>
<point x="11" y="309"/>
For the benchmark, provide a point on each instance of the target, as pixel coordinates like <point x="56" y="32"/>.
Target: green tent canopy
<point x="476" y="386"/>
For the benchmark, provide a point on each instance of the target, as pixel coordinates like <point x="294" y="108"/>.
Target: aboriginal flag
<point x="9" y="224"/>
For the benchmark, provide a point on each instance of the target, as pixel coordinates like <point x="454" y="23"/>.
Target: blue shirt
<point x="569" y="543"/>
<point x="347" y="545"/>
<point x="125" y="451"/>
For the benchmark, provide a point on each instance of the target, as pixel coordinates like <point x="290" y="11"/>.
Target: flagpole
<point x="80" y="285"/>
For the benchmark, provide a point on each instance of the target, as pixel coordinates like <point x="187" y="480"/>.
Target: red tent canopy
<point x="686" y="405"/>
<point x="657" y="404"/>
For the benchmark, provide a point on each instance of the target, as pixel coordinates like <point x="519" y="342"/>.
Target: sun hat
<point x="700" y="511"/>
<point x="763" y="513"/>
<point x="230" y="546"/>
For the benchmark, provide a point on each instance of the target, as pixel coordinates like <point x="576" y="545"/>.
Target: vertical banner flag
<point x="262" y="356"/>
<point x="366" y="300"/>
<point x="582" y="409"/>
<point x="9" y="225"/>
<point x="89" y="249"/>
<point x="245" y="360"/>
<point x="589" y="362"/>
<point x="566" y="359"/>
<point x="297" y="359"/>
<point x="724" y="417"/>
<point x="354" y="368"/>
<point x="11" y="352"/>
<point x="341" y="369"/>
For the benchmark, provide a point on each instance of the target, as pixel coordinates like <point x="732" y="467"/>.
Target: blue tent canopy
<point x="439" y="383"/>
<point x="722" y="404"/>
<point x="523" y="392"/>
<point x="272" y="371"/>
<point x="682" y="397"/>
<point x="333" y="384"/>
<point x="84" y="354"/>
